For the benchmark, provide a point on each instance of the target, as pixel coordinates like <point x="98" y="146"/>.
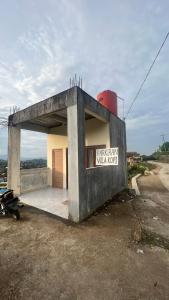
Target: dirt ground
<point x="41" y="257"/>
<point x="153" y="206"/>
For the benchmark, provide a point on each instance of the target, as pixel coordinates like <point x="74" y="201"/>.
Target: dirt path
<point x="163" y="173"/>
<point x="153" y="206"/>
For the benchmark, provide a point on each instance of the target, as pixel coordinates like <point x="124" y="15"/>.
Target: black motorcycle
<point x="9" y="204"/>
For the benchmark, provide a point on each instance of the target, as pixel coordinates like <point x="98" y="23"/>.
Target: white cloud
<point x="33" y="144"/>
<point x="144" y="121"/>
<point x="111" y="47"/>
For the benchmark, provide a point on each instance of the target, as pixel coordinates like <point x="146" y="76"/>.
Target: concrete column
<point x="125" y="157"/>
<point x="75" y="115"/>
<point x="118" y="139"/>
<point x="14" y="159"/>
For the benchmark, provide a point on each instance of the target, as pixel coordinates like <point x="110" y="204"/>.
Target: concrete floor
<point x="52" y="200"/>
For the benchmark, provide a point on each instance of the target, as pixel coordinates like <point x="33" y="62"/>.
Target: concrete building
<point x="72" y="186"/>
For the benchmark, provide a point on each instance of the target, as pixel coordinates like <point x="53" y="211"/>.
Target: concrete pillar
<point x="125" y="157"/>
<point x="118" y="139"/>
<point x="76" y="137"/>
<point x="14" y="159"/>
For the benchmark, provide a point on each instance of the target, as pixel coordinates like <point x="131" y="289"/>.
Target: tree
<point x="165" y="147"/>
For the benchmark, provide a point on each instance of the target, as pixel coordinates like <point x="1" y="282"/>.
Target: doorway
<point x="57" y="168"/>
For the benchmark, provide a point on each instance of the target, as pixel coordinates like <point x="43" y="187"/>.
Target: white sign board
<point x="107" y="156"/>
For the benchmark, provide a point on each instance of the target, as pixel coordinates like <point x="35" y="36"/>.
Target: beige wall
<point x="97" y="133"/>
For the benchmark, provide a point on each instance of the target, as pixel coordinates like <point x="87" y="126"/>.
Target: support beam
<point x="118" y="139"/>
<point x="34" y="127"/>
<point x="73" y="173"/>
<point x="14" y="159"/>
<point x="76" y="117"/>
<point x="57" y="118"/>
<point x="50" y="105"/>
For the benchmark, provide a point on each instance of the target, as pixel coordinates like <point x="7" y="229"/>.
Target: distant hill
<point x="25" y="164"/>
<point x="33" y="163"/>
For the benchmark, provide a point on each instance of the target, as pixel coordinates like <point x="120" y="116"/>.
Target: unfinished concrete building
<point x="72" y="186"/>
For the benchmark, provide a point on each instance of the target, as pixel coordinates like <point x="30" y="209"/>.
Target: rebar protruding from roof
<point x="76" y="82"/>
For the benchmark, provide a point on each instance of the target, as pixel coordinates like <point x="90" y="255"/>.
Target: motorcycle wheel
<point x="16" y="215"/>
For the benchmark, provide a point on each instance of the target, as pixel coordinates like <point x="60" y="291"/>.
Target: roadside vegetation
<point x="139" y="168"/>
<point x="161" y="155"/>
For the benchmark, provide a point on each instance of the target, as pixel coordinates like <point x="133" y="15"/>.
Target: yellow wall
<point x="97" y="133"/>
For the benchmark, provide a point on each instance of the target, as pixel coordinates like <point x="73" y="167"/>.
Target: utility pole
<point x="163" y="140"/>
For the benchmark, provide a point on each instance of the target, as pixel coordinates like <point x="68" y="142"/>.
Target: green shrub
<point x="136" y="169"/>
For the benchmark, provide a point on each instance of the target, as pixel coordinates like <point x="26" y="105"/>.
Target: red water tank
<point x="109" y="100"/>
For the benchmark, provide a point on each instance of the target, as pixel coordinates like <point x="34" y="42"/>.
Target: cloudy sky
<point x="111" y="44"/>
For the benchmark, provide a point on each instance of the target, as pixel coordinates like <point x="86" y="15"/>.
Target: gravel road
<point x="163" y="173"/>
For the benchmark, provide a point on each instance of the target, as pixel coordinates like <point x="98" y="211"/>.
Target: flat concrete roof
<point x="52" y="112"/>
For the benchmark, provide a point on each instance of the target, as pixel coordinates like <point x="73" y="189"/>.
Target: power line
<point x="123" y="100"/>
<point x="149" y="70"/>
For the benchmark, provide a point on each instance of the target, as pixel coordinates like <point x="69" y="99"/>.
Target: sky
<point x="110" y="44"/>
